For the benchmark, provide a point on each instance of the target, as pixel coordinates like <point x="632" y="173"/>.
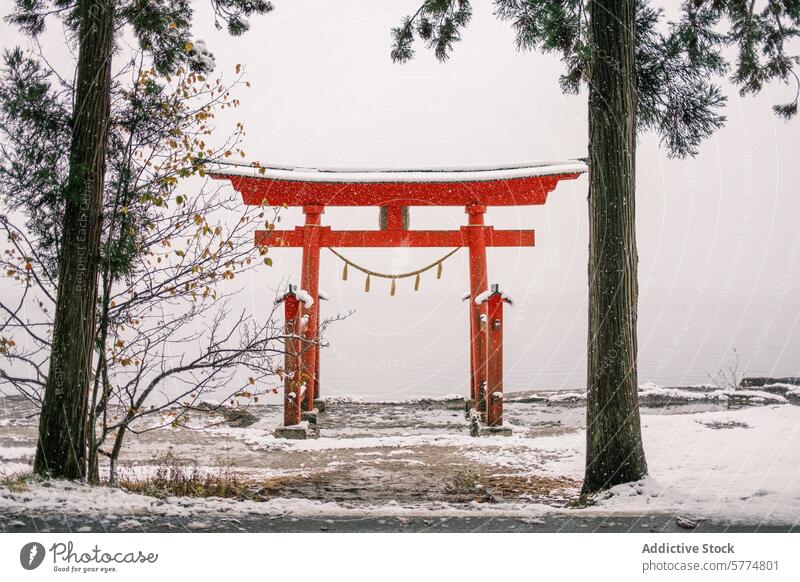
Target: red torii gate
<point x="475" y="189"/>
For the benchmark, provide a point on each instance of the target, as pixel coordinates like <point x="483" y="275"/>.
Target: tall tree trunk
<point x="61" y="448"/>
<point x="614" y="451"/>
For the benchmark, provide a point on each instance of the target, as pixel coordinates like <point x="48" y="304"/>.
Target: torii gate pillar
<point x="478" y="283"/>
<point x="310" y="282"/>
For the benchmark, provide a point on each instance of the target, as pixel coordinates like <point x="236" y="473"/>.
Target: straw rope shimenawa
<point x="393" y="276"/>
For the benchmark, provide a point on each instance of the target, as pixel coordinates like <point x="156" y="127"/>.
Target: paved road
<point x="556" y="523"/>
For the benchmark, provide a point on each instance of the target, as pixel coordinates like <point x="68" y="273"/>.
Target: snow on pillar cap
<point x="494" y="290"/>
<point x="301" y="294"/>
<point x="290" y="290"/>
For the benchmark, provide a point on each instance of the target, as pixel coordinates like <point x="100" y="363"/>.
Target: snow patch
<point x="305" y="297"/>
<point x="757" y="396"/>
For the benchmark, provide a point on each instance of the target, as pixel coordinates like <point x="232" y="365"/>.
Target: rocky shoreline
<point x="751" y="391"/>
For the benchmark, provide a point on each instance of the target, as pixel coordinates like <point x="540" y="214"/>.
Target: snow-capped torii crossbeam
<point x="315" y="188"/>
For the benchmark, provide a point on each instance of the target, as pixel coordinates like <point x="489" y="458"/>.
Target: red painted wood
<point x="292" y="361"/>
<point x="389" y="238"/>
<point x="494" y="366"/>
<point x="473" y="387"/>
<point x="511" y="192"/>
<point x="310" y="282"/>
<point x="316" y="371"/>
<point x="478" y="284"/>
<point x="394" y="218"/>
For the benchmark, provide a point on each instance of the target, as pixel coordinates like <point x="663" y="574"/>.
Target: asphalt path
<point x="33" y="523"/>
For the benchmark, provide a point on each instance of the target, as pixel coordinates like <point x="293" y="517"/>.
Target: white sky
<point x="719" y="235"/>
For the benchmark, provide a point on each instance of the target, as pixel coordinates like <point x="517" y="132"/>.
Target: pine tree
<point x="162" y="29"/>
<point x="641" y="76"/>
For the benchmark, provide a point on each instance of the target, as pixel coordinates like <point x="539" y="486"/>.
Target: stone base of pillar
<point x="484" y="430"/>
<point x="302" y="431"/>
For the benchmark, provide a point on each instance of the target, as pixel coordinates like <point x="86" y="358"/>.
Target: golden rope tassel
<point x="394" y="286"/>
<point x="438" y="264"/>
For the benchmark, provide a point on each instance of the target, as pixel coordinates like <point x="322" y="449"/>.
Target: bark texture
<point x="614" y="451"/>
<point x="61" y="448"/>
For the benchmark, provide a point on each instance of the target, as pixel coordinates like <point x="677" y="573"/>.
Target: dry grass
<point x="461" y="483"/>
<point x="171" y="480"/>
<point x="557" y="491"/>
<point x="517" y="485"/>
<point x="17" y="482"/>
<point x="469" y="484"/>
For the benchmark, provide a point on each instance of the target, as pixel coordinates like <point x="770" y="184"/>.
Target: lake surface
<point x="416" y="344"/>
<point x="696" y="305"/>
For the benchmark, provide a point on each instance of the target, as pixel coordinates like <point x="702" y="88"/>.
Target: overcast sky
<point x="719" y="235"/>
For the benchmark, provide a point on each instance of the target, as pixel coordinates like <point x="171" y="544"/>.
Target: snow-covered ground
<point x="417" y="458"/>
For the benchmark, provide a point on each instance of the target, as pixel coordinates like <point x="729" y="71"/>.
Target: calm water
<point x="416" y="344"/>
<point x="425" y="361"/>
<point x="695" y="306"/>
